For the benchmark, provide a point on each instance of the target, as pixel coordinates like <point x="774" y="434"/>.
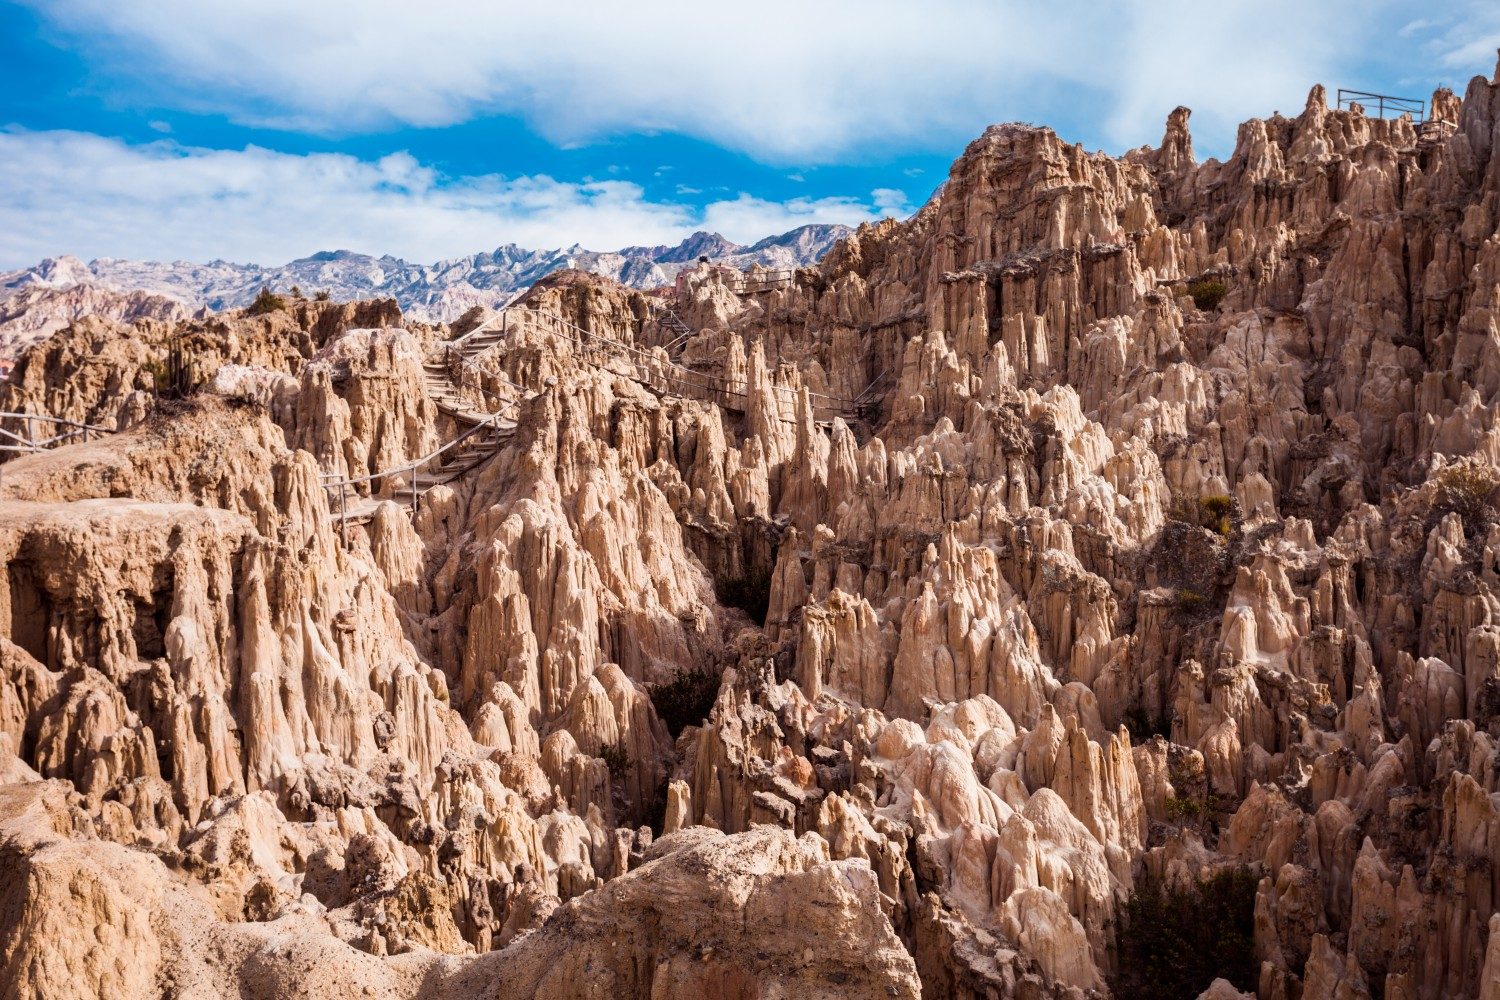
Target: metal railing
<point x="1383" y="105"/>
<point x="28" y="442"/>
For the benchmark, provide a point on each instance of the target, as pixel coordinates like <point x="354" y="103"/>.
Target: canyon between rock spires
<point x="891" y="628"/>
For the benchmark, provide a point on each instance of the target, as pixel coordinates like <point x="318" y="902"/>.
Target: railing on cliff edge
<point x="1383" y="104"/>
<point x="29" y="442"/>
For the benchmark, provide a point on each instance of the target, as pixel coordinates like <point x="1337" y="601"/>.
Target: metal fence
<point x="1383" y="105"/>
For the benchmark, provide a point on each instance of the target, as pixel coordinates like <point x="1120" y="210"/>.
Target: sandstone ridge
<point x="1157" y="551"/>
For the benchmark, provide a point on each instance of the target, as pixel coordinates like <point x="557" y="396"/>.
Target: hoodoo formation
<point x="1087" y="586"/>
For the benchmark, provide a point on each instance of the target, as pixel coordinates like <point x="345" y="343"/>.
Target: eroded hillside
<point x="1112" y="528"/>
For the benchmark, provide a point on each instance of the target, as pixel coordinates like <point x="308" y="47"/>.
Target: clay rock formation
<point x="1112" y="531"/>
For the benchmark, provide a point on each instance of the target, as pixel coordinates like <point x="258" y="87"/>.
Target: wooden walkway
<point x="483" y="432"/>
<point x="755" y="282"/>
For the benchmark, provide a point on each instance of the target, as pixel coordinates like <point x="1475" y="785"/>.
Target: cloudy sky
<point x="263" y="130"/>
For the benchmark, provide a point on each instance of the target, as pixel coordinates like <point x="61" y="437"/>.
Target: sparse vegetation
<point x="686" y="700"/>
<point x="750" y="593"/>
<point x="297" y="292"/>
<point x="617" y="759"/>
<point x="1183" y="807"/>
<point x="1207" y="293"/>
<point x="1219" y="507"/>
<point x="322" y="295"/>
<point x="1177" y="939"/>
<point x="266" y="301"/>
<point x="1465" y="489"/>
<point x="1189" y="601"/>
<point x="1217" y="512"/>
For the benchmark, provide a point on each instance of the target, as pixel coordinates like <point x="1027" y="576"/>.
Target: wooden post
<point x="343" y="518"/>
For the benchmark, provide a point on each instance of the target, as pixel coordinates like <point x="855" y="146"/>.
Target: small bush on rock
<point x="265" y="302"/>
<point x="1207" y="293"/>
<point x="1217" y="512"/>
<point x="1182" y="807"/>
<point x="1465" y="489"/>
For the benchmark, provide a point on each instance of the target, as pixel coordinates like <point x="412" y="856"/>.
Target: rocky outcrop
<point x="1112" y="527"/>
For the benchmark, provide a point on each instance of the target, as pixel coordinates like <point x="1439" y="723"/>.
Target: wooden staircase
<point x="681" y="332"/>
<point x="482" y="434"/>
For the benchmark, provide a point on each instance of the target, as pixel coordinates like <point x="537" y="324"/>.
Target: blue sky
<point x="261" y="131"/>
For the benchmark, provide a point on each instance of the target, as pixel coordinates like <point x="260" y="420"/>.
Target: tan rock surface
<point x="1162" y="541"/>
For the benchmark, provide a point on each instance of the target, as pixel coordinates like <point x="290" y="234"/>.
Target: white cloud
<point x="72" y="192"/>
<point x="783" y="80"/>
<point x="747" y="214"/>
<point x="1466" y="40"/>
<point x="889" y="201"/>
<point x="1232" y="61"/>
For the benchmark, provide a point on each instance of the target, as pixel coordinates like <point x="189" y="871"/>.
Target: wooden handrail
<point x="453" y="354"/>
<point x="330" y="482"/>
<point x="29" y="443"/>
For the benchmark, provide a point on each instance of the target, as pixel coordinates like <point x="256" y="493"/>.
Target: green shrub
<point x="323" y="295"/>
<point x="750" y="593"/>
<point x="1207" y="293"/>
<point x="1189" y="600"/>
<point x="1183" y="807"/>
<point x="617" y="759"/>
<point x="266" y="301"/>
<point x="1465" y="489"/>
<point x="685" y="700"/>
<point x="1176" y="940"/>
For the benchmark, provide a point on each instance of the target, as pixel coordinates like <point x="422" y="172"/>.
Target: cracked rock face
<point x="1109" y="527"/>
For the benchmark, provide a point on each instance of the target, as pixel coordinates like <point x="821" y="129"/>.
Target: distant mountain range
<point x="435" y="292"/>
